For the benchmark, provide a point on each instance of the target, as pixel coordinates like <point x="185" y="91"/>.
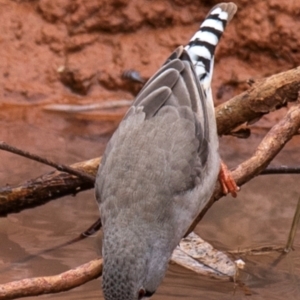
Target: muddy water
<point x="261" y="215"/>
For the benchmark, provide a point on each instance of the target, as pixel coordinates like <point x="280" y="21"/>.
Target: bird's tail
<point x="201" y="47"/>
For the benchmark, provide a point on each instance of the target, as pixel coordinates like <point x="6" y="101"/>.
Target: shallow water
<point x="260" y="216"/>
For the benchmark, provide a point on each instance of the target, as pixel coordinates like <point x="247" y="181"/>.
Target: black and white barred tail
<point x="201" y="47"/>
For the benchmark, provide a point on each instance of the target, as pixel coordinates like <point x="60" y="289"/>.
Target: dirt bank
<point x="53" y="50"/>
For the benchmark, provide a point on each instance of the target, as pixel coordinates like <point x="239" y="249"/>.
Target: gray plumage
<point x="157" y="173"/>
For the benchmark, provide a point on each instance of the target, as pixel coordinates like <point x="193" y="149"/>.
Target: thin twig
<point x="290" y="242"/>
<point x="280" y="170"/>
<point x="72" y="108"/>
<point x="63" y="168"/>
<point x="92" y="229"/>
<point x="257" y="251"/>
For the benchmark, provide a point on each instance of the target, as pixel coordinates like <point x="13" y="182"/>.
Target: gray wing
<point x="162" y="143"/>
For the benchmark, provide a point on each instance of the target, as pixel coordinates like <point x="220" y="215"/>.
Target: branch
<point x="72" y="108"/>
<point x="47" y="187"/>
<point x="264" y="97"/>
<point x="52" y="284"/>
<point x="269" y="147"/>
<point x="280" y="170"/>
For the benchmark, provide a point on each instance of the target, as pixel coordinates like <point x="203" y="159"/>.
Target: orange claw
<point x="227" y="182"/>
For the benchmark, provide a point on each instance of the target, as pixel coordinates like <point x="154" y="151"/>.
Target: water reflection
<point x="261" y="215"/>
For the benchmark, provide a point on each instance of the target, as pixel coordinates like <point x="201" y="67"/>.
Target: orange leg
<point x="227" y="182"/>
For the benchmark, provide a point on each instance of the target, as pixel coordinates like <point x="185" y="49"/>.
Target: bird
<point x="160" y="166"/>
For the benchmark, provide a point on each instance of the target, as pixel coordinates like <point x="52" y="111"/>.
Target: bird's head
<point x="133" y="267"/>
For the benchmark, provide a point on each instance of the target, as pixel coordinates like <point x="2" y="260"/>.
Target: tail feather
<point x="201" y="47"/>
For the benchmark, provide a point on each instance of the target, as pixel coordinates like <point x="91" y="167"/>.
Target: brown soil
<point x="75" y="50"/>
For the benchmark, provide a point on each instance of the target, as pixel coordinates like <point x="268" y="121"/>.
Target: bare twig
<point x="280" y="170"/>
<point x="52" y="284"/>
<point x="290" y="242"/>
<point x="87" y="107"/>
<point x="63" y="168"/>
<point x="92" y="229"/>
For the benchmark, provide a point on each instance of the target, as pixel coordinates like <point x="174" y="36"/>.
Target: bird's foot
<point x="227" y="182"/>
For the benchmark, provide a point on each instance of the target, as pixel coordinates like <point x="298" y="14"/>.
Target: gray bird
<point x="160" y="166"/>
